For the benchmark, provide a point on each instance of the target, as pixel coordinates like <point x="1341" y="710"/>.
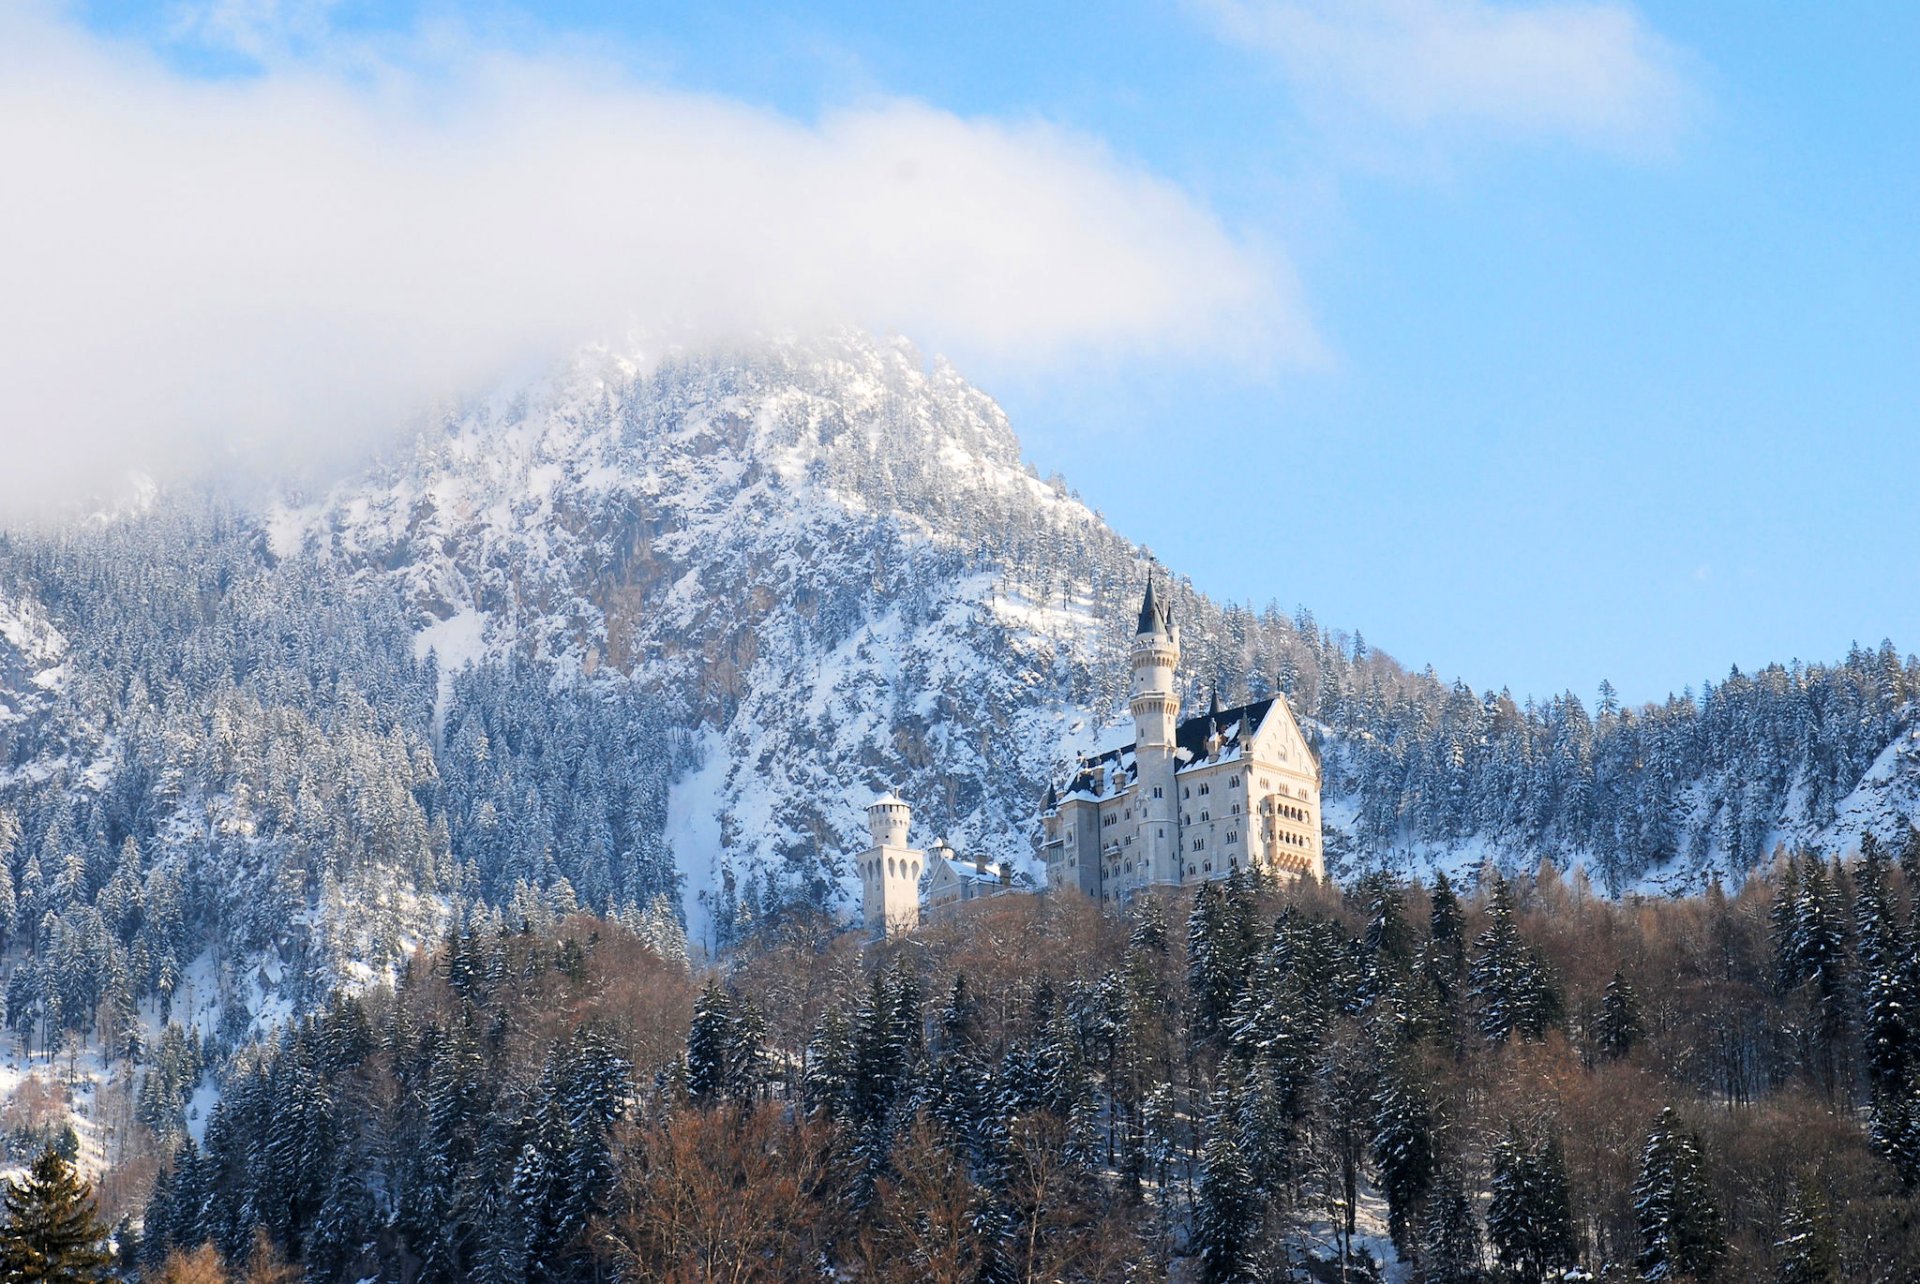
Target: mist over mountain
<point x="647" y="636"/>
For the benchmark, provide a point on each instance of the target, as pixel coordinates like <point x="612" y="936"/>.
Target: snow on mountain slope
<point x="829" y="556"/>
<point x="827" y="562"/>
<point x="30" y="672"/>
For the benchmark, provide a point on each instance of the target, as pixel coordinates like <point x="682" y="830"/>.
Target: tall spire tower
<point x="1156" y="714"/>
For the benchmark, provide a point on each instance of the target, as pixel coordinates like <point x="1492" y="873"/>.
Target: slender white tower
<point x="1156" y="712"/>
<point x="890" y="870"/>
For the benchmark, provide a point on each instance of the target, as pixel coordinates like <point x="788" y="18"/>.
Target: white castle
<point x="1185" y="802"/>
<point x="890" y="873"/>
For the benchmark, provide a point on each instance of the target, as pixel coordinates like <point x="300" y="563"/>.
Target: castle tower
<point x="890" y="870"/>
<point x="1156" y="713"/>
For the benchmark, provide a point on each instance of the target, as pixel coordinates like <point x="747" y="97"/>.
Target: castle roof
<point x="1235" y="727"/>
<point x="1153" y="617"/>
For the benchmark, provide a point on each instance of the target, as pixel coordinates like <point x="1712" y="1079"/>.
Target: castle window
<point x="1209" y="867"/>
<point x="1156" y="791"/>
<point x="1236" y="809"/>
<point x="1233" y="782"/>
<point x="1193" y="869"/>
<point x="1186" y="793"/>
<point x="1206" y="815"/>
<point x="1205" y="790"/>
<point x="1199" y="844"/>
<point x="1233" y="835"/>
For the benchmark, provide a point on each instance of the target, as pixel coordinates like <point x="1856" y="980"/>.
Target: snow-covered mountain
<point x="827" y="560"/>
<point x="661" y="626"/>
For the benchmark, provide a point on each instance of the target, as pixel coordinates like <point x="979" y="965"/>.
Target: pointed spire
<point x="1053" y="799"/>
<point x="1213" y="706"/>
<point x="1152" y="620"/>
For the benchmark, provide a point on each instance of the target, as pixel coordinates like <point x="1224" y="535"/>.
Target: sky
<point x="1541" y="342"/>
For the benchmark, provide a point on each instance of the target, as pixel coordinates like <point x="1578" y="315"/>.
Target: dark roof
<point x="1191" y="735"/>
<point x="1152" y="618"/>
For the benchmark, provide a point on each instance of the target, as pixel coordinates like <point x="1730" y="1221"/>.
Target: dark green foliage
<point x="1402" y="1146"/>
<point x="52" y="1232"/>
<point x="1806" y="1245"/>
<point x="723" y="1047"/>
<point x="1530" y="1215"/>
<point x="1450" y="1251"/>
<point x="1679" y="1225"/>
<point x="1619" y="1026"/>
<point x="1227" y="1224"/>
<point x="1510" y="986"/>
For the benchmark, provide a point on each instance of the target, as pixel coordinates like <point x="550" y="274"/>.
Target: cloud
<point x="304" y="256"/>
<point x="1586" y="70"/>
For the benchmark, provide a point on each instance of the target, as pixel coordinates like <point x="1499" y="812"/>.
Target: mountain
<point x="649" y="633"/>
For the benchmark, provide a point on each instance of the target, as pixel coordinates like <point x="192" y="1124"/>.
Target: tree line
<point x="1519" y="1080"/>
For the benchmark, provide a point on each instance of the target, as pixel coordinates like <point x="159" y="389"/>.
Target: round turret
<point x="888" y="817"/>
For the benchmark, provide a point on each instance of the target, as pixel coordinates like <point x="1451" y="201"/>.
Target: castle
<point x="1185" y="802"/>
<point x="1189" y="800"/>
<point x="890" y="873"/>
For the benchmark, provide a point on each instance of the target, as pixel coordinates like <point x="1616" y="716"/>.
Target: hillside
<point x="650" y="632"/>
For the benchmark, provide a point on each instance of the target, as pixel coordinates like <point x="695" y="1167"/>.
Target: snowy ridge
<point x="827" y="559"/>
<point x="785" y="547"/>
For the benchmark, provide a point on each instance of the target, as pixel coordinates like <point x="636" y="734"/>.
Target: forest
<point x="1517" y="1080"/>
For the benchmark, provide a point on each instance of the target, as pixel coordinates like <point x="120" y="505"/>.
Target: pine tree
<point x="1530" y="1214"/>
<point x="1882" y="949"/>
<point x="1450" y="1250"/>
<point x="1228" y="1217"/>
<point x="53" y="1232"/>
<point x="1806" y="1246"/>
<point x="723" y="1047"/>
<point x="1679" y="1225"/>
<point x="1448" y="928"/>
<point x="1211" y="963"/>
<point x="1618" y="1028"/>
<point x="1508" y="981"/>
<point x="1402" y="1145"/>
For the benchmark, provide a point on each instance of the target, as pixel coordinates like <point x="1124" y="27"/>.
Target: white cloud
<point x="310" y="254"/>
<point x="1587" y="70"/>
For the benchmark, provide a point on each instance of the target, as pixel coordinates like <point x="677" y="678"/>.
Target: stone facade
<point x="1189" y="800"/>
<point x="890" y="870"/>
<point x="892" y="874"/>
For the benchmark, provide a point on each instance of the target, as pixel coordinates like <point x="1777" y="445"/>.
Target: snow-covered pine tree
<point x="1402" y="1147"/>
<point x="52" y="1231"/>
<point x="1680" y="1233"/>
<point x="1226" y="1226"/>
<point x="1509" y="985"/>
<point x="1530" y="1213"/>
<point x="1882" y="949"/>
<point x="1450" y="1249"/>
<point x="1805" y="1246"/>
<point x="1619" y="1025"/>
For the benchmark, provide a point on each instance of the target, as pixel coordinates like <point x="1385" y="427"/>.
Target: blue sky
<point x="1598" y="327"/>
